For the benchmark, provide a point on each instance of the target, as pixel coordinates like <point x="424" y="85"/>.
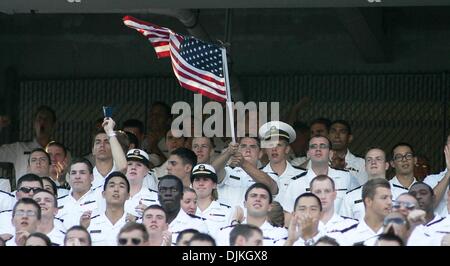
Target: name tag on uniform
<point x="88" y="206"/>
<point x="95" y="231"/>
<point x="216" y="214"/>
<point x="235" y="177"/>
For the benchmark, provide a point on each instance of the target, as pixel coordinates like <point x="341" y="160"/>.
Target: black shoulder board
<point x="62" y="232"/>
<point x="98" y="215"/>
<point x="235" y="177"/>
<point x="228" y="206"/>
<point x="300" y="168"/>
<point x="350" y="218"/>
<point x="59" y="219"/>
<point x="151" y="200"/>
<point x="349" y="228"/>
<point x="217" y="214"/>
<point x="63" y="196"/>
<point x="6" y="211"/>
<point x="151" y="190"/>
<point x="358" y="201"/>
<point x="196" y="217"/>
<point x="394" y="185"/>
<point x="60" y="207"/>
<point x="95" y="231"/>
<point x="435" y="222"/>
<point x="228" y="226"/>
<point x="7" y="193"/>
<point x="97" y="187"/>
<point x="300" y="175"/>
<point x="340" y="169"/>
<point x="353" y="189"/>
<point x="262" y="167"/>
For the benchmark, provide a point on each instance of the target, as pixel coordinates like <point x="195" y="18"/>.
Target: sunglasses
<point x="407" y="205"/>
<point x="134" y="241"/>
<point x="28" y="189"/>
<point x="396" y="220"/>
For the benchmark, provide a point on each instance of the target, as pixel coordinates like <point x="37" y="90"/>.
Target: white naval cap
<point x="275" y="130"/>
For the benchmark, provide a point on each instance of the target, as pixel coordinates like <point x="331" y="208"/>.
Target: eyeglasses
<point x="28" y="189"/>
<point x="21" y="213"/>
<point x="134" y="241"/>
<point x="394" y="220"/>
<point x="407" y="157"/>
<point x="321" y="146"/>
<point x="408" y="205"/>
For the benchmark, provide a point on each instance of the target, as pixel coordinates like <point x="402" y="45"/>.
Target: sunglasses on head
<point x="408" y="205"/>
<point x="28" y="189"/>
<point x="394" y="220"/>
<point x="134" y="241"/>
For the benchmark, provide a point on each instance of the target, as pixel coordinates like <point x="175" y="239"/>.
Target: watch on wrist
<point x="309" y="242"/>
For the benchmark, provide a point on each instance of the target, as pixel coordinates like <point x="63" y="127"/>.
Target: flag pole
<point x="229" y="102"/>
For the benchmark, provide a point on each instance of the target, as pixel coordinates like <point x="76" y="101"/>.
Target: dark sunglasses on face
<point x="408" y="205"/>
<point x="134" y="241"/>
<point x="395" y="220"/>
<point x="28" y="189"/>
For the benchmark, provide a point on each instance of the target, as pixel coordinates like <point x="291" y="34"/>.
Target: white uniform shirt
<point x="103" y="232"/>
<point x="6" y="226"/>
<point x="432" y="181"/>
<point x="356" y="167"/>
<point x="301" y="241"/>
<point x="233" y="187"/>
<point x="150" y="181"/>
<point x="298" y="161"/>
<point x="99" y="180"/>
<point x="18" y="153"/>
<point x="397" y="189"/>
<point x="159" y="172"/>
<point x="361" y="233"/>
<point x="284" y="179"/>
<point x="7" y="201"/>
<point x="426" y="235"/>
<point x="146" y="196"/>
<point x="58" y="233"/>
<point x="342" y="180"/>
<point x="5" y="185"/>
<point x="337" y="223"/>
<point x="216" y="216"/>
<point x="70" y="209"/>
<point x="185" y="221"/>
<point x="353" y="205"/>
<point x="271" y="234"/>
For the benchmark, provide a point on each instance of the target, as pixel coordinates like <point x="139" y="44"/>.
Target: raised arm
<point x="118" y="154"/>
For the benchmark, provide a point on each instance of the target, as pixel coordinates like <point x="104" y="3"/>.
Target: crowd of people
<point x="294" y="184"/>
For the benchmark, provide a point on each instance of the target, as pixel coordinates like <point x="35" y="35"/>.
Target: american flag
<point x="197" y="65"/>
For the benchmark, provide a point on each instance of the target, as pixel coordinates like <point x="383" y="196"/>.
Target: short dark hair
<point x="154" y="207"/>
<point x="327" y="240"/>
<point x="131" y="226"/>
<point x="42" y="236"/>
<point x="259" y="185"/>
<point x="370" y="187"/>
<point x="45" y="108"/>
<point x="82" y="160"/>
<point x="322" y="178"/>
<point x="401" y="144"/>
<point x="58" y="144"/>
<point x="391" y="237"/>
<point x="424" y="184"/>
<point x="202" y="237"/>
<point x="307" y="195"/>
<point x="321" y="120"/>
<point x="29" y="178"/>
<point x="132" y="139"/>
<point x="52" y="183"/>
<point x="95" y="134"/>
<point x="186" y="155"/>
<point x="186" y="231"/>
<point x="342" y="122"/>
<point x="114" y="174"/>
<point x="78" y="228"/>
<point x="28" y="201"/>
<point x="248" y="136"/>
<point x="136" y="123"/>
<point x="245" y="230"/>
<point x="39" y="150"/>
<point x="55" y="199"/>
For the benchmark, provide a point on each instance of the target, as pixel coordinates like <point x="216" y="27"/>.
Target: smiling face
<point x="47" y="202"/>
<point x="403" y="161"/>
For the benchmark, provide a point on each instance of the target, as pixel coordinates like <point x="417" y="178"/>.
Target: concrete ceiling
<point x="120" y="6"/>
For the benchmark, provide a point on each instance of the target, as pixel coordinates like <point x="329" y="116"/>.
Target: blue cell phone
<point x="107" y="111"/>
